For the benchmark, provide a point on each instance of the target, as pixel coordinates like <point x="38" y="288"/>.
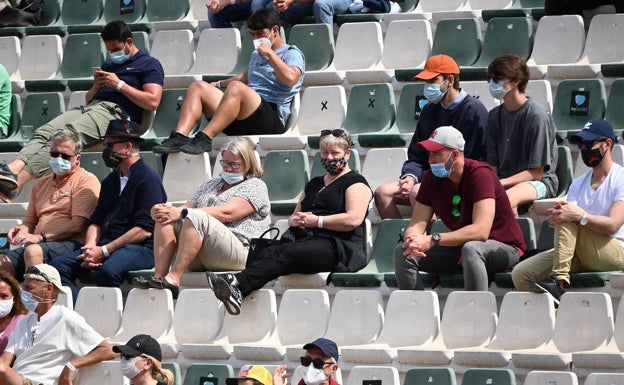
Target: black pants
<point x="314" y="255"/>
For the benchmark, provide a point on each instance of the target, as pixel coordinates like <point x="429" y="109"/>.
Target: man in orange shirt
<point x="58" y="211"/>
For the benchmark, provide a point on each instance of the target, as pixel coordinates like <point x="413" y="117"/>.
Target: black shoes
<point x="225" y="291"/>
<point x="8" y="183"/>
<point x="172" y="144"/>
<point x="200" y="143"/>
<point x="143" y="282"/>
<point x="548" y="286"/>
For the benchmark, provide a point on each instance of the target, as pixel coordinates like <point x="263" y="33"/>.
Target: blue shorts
<point x="540" y="187"/>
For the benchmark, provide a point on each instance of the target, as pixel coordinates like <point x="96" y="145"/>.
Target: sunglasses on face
<point x="56" y="154"/>
<point x="33" y="270"/>
<point x="589" y="144"/>
<point x="317" y="362"/>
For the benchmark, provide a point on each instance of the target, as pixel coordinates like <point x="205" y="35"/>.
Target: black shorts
<point x="264" y="120"/>
<point x="50" y="250"/>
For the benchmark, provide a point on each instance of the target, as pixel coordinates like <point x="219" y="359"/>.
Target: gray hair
<point x="66" y="135"/>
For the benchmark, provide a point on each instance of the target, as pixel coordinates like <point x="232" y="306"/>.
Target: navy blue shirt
<point x="116" y="212"/>
<point x="140" y="69"/>
<point x="470" y="117"/>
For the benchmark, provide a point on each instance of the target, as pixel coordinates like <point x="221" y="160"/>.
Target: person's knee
<point x="471" y="252"/>
<point x="108" y="276"/>
<point x="322" y="5"/>
<point x="237" y="88"/>
<point x="385" y="191"/>
<point x="520" y="278"/>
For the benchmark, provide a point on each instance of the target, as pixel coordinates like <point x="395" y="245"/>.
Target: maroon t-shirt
<point x="478" y="182"/>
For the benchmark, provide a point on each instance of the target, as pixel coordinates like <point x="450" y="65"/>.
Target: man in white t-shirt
<point x="589" y="231"/>
<point x="51" y="342"/>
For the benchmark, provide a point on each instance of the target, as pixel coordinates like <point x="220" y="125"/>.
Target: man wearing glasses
<point x="484" y="237"/>
<point x="51" y="343"/>
<point x="58" y="211"/>
<point x="119" y="237"/>
<point x="320" y="364"/>
<point x="589" y="235"/>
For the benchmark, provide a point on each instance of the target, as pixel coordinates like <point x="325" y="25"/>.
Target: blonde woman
<point x="140" y="361"/>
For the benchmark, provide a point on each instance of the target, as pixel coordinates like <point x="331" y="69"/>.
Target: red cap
<point x="436" y="65"/>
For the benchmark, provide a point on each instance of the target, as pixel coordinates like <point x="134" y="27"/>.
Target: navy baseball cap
<point x="595" y="129"/>
<point x="328" y="347"/>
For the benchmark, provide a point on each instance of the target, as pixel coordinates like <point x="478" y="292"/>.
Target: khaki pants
<point x="221" y="250"/>
<point x="577" y="249"/>
<point x="90" y="121"/>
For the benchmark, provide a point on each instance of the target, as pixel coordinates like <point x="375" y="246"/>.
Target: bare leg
<point x="384" y="200"/>
<point x="17" y="165"/>
<point x="6" y="265"/>
<point x="165" y="245"/>
<point x="189" y="245"/>
<point x="33" y="255"/>
<point x="239" y="102"/>
<point x="201" y="98"/>
<point x="520" y="194"/>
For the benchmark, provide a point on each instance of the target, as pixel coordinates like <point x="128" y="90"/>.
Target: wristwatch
<point x="436" y="238"/>
<point x="184" y="213"/>
<point x="584" y="219"/>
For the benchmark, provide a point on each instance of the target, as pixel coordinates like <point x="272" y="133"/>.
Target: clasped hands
<point x="416" y="245"/>
<point x="303" y="220"/>
<point x="165" y="214"/>
<point x="18" y="237"/>
<point x="564" y="212"/>
<point x="92" y="256"/>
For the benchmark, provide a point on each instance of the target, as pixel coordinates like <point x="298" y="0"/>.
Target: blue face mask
<point x="439" y="169"/>
<point x="496" y="89"/>
<point x="60" y="166"/>
<point x="231" y="177"/>
<point x="120" y="56"/>
<point x="433" y="93"/>
<point x="29" y="302"/>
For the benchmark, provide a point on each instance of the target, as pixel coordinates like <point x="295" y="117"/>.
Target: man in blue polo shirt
<point x="127" y="84"/>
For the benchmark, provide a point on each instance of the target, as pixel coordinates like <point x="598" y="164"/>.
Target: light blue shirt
<point x="262" y="78"/>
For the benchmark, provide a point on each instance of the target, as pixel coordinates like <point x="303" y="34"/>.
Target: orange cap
<point x="436" y="65"/>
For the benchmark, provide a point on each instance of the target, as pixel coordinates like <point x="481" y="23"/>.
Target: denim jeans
<point x="479" y="260"/>
<point x="230" y="14"/>
<point x="112" y="272"/>
<point x="324" y="10"/>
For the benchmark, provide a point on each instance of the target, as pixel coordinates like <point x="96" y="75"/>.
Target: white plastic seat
<point x="102" y="308"/>
<point x="468" y="320"/>
<point x="183" y="174"/>
<point x="176" y="52"/>
<point x="103" y="373"/>
<point x="198" y="316"/>
<point x="302" y="317"/>
<point x="526" y="321"/>
<point x="356" y="319"/>
<point x="541" y="92"/>
<point x="576" y="308"/>
<point x="65" y="299"/>
<point x="407" y="44"/>
<point x="256" y="323"/>
<point x="148" y="311"/>
<point x="40" y="59"/>
<point x="405" y="309"/>
<point x="358" y="46"/>
<point x="217" y="51"/>
<point x="10" y="51"/>
<point x="360" y="375"/>
<point x="601" y="46"/>
<point x="480" y="90"/>
<point x="558" y="40"/>
<point x="605" y="379"/>
<point x="76" y="99"/>
<point x="382" y="165"/>
<point x="542" y="377"/>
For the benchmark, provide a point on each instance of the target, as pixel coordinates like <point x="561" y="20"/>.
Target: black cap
<point x="140" y="344"/>
<point x="328" y="347"/>
<point x="124" y="129"/>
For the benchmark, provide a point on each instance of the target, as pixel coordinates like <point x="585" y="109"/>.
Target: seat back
<point x="41" y="56"/>
<point x="528" y="231"/>
<point x="540" y="91"/>
<point x="50" y="11"/>
<point x="387" y="238"/>
<point x="103" y="373"/>
<point x="198" y="317"/>
<point x="407" y="44"/>
<point x="197" y="370"/>
<point x="167" y="113"/>
<point x="184" y="173"/>
<point x="318" y="170"/>
<point x="81" y="12"/>
<point x="40" y="108"/>
<point x="101" y="307"/>
<point x="559" y="40"/>
<point x="468" y="319"/>
<point x="600" y="46"/>
<point x="407" y="308"/>
<point x="157" y="303"/>
<point x="410" y="104"/>
<point x="175" y="50"/>
<point x="488" y="4"/>
<point x="82" y="52"/>
<point x="359" y="375"/>
<point x="379" y="161"/>
<point x="481" y="90"/>
<point x="286" y="173"/>
<point x="437" y="6"/>
<point x="316" y="41"/>
<point x="15" y="120"/>
<point x="614" y="112"/>
<point x="141" y="40"/>
<point x="583" y="308"/>
<point x="505" y="35"/>
<point x="303" y="316"/>
<point x="93" y="162"/>
<point x="577" y="102"/>
<point x="10" y="51"/>
<point x="128" y="12"/>
<point x="358" y="46"/>
<point x="526" y="320"/>
<point x="166" y="10"/>
<point x="565" y="170"/>
<point x="541" y="377"/>
<point x="430" y="376"/>
<point x="175" y="369"/>
<point x="458" y="38"/>
<point x="605" y="379"/>
<point x="356" y="317"/>
<point x="256" y="322"/>
<point x="371" y="108"/>
<point x="323" y="107"/>
<point x="217" y="51"/>
<point x="478" y="376"/>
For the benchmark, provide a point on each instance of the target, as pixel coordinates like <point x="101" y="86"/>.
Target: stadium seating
<point x="242" y="61"/>
<point x="479" y="376"/>
<point x="102" y="308"/>
<point x="318" y="170"/>
<point x="31" y="64"/>
<point x="605" y="379"/>
<point x="196" y="371"/>
<point x="614" y="113"/>
<point x="526" y="8"/>
<point x="183" y="174"/>
<point x="577" y="102"/>
<point x="317" y="44"/>
<point x="176" y="52"/>
<point x="10" y="50"/>
<point x="386" y="375"/>
<point x="50" y="12"/>
<point x="285" y="174"/>
<point x="430" y="376"/>
<point x="383" y="165"/>
<point x="540" y="377"/>
<point x="104" y="373"/>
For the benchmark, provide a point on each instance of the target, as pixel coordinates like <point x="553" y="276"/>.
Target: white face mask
<point x="5" y="307"/>
<point x="128" y="368"/>
<point x="314" y="376"/>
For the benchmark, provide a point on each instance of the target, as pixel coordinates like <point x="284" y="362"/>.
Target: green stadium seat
<point x="141" y="41"/>
<point x="370" y="108"/>
<point x="93" y="162"/>
<point x="430" y="376"/>
<point x="614" y="113"/>
<point x="318" y="170"/>
<point x="175" y="369"/>
<point x="80" y="12"/>
<point x="82" y="52"/>
<point x="316" y="41"/>
<point x="155" y="161"/>
<point x="16" y="115"/>
<point x="196" y="371"/>
<point x="577" y="102"/>
<point x="481" y="376"/>
<point x="115" y="10"/>
<point x="285" y="174"/>
<point x="503" y="35"/>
